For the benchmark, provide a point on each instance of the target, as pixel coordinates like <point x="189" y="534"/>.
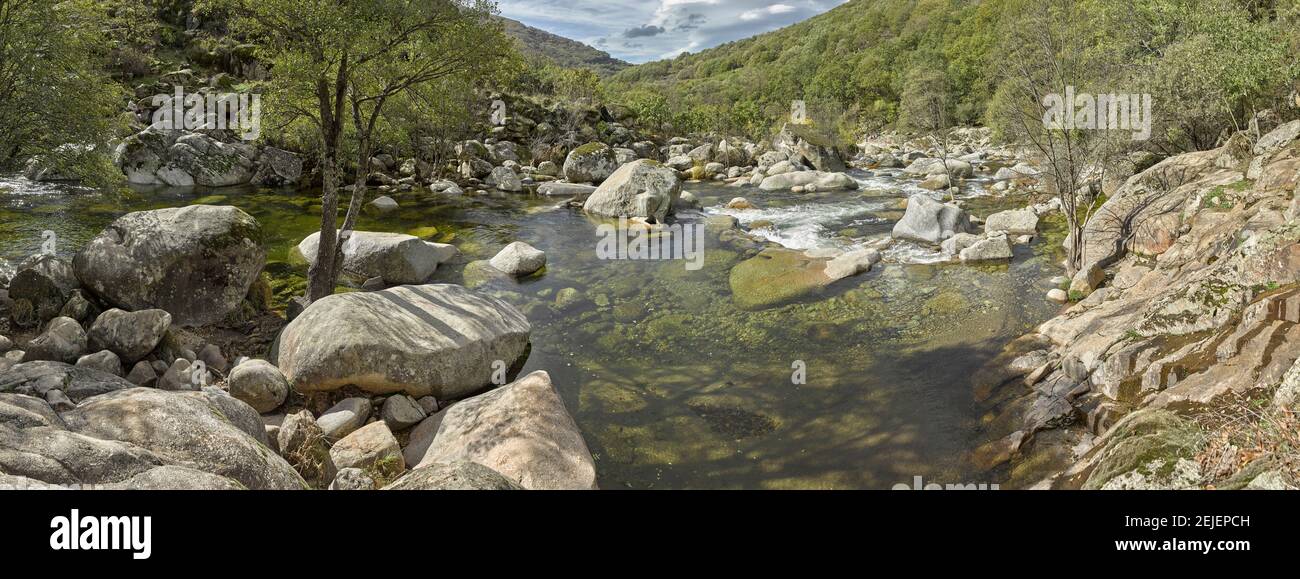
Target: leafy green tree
<point x="1208" y="64"/>
<point x="337" y="65"/>
<point x="56" y="101"/>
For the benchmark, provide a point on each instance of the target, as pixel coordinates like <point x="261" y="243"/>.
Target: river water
<point x="672" y="385"/>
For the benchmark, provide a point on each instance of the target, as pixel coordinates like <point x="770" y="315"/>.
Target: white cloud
<point x="688" y="25"/>
<point x="770" y="10"/>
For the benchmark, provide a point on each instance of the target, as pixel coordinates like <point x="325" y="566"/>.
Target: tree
<point x="1212" y="63"/>
<point x="56" y="102"/>
<point x="338" y="65"/>
<point x="927" y="108"/>
<point x="1042" y="58"/>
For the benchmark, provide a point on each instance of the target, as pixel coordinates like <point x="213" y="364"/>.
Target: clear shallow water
<point x="672" y="385"/>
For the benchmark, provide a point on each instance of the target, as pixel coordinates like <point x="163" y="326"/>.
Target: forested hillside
<point x="864" y="62"/>
<point x="560" y="50"/>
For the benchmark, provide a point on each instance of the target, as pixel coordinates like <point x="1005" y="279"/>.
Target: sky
<point x="643" y="30"/>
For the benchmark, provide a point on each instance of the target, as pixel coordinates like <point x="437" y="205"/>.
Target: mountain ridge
<point x="560" y="50"/>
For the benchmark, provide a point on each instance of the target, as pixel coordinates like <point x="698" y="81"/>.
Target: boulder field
<point x="111" y="385"/>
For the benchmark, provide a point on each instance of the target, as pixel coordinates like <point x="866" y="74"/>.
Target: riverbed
<point x="672" y="385"/>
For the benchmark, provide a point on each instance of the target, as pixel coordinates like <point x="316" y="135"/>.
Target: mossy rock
<point x="211" y="200"/>
<point x="423" y="232"/>
<point x="775" y="276"/>
<point x="946" y="303"/>
<point x="590" y="148"/>
<point x="1148" y="445"/>
<point x="629" y="312"/>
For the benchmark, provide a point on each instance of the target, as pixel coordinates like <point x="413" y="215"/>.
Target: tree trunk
<point x="354" y="206"/>
<point x="321" y="274"/>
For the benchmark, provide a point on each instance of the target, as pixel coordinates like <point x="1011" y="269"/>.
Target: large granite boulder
<point x="644" y="189"/>
<point x="521" y="430"/>
<point x="396" y="257"/>
<point x="801" y="143"/>
<point x="1148" y="213"/>
<point x="123" y="437"/>
<point x="590" y="163"/>
<point x="439" y="340"/>
<point x="822" y="181"/>
<point x="194" y="262"/>
<point x="930" y="222"/>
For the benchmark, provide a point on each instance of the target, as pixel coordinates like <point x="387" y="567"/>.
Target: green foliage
<point x="56" y="101"/>
<point x="918" y="64"/>
<point x="1208" y="64"/>
<point x="853" y="60"/>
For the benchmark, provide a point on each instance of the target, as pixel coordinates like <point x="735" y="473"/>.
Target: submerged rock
<point x="776" y="276"/>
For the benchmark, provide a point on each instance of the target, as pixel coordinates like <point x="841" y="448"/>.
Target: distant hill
<point x="854" y="57"/>
<point x="562" y="51"/>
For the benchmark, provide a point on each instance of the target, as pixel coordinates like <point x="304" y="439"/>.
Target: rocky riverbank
<point x="110" y="380"/>
<point x="1177" y="367"/>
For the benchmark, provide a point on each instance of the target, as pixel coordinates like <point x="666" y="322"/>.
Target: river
<point x="672" y="385"/>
